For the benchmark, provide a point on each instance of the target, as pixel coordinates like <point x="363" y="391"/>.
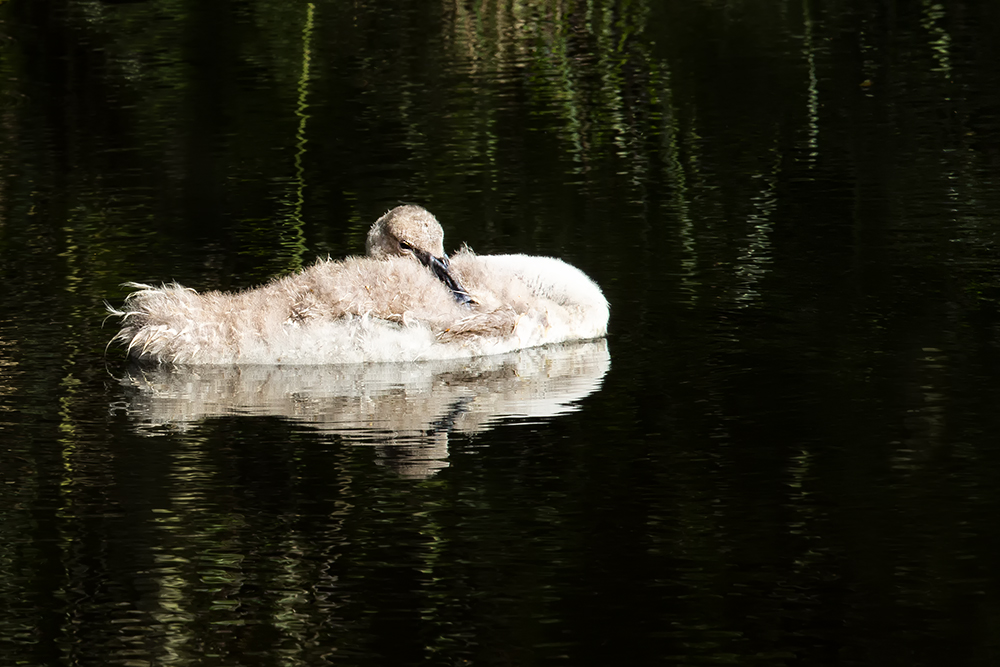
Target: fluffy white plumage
<point x="388" y="306"/>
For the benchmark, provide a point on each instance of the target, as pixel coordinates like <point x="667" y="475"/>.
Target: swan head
<point x="412" y="231"/>
<point x="406" y="230"/>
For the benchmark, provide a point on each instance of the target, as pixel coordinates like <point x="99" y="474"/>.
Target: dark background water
<point x="791" y="206"/>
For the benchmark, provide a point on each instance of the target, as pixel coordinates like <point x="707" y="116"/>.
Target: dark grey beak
<point x="439" y="267"/>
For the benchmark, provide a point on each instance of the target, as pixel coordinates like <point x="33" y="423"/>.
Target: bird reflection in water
<point x="407" y="410"/>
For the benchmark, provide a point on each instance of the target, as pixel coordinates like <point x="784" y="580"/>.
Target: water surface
<point x="785" y="452"/>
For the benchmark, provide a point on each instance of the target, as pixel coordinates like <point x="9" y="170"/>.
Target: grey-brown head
<point x="403" y="230"/>
<point x="413" y="231"/>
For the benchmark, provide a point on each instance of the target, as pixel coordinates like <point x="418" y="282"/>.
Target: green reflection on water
<point x="294" y="239"/>
<point x="868" y="276"/>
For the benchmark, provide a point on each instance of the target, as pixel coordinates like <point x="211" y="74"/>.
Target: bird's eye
<point x="403" y="245"/>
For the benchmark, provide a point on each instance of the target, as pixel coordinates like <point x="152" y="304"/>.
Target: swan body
<point x="404" y="301"/>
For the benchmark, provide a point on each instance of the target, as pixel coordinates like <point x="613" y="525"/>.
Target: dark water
<point x="786" y="453"/>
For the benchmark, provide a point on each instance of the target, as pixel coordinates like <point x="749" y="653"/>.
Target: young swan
<point x="405" y="301"/>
